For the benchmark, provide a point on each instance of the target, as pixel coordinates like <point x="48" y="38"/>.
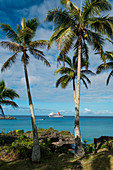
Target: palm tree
<point x="21" y="42"/>
<point x="74" y="27"/>
<point x="107" y="59"/>
<point x="6" y="96"/>
<point x="70" y="74"/>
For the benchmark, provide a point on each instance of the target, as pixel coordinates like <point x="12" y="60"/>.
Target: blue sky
<point x="97" y="100"/>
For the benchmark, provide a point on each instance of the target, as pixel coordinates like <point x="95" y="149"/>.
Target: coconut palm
<point x="7" y="96"/>
<point x="74" y="27"/>
<point x="70" y="74"/>
<point x="21" y="41"/>
<point x="107" y="59"/>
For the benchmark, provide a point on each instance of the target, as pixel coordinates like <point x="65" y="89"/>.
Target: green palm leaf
<point x="63" y="81"/>
<point x="102" y="25"/>
<point x="8" y="102"/>
<point x="14" y="47"/>
<point x="9" y="62"/>
<point x="33" y="24"/>
<point x="38" y="43"/>
<point x="10" y="33"/>
<point x="111" y="74"/>
<point x="103" y="67"/>
<point x="39" y="56"/>
<point x="91" y="8"/>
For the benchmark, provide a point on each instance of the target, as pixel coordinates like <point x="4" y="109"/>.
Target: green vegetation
<point x="16" y="148"/>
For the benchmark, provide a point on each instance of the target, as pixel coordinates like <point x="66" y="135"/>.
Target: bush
<point x="20" y="132"/>
<point x="89" y="148"/>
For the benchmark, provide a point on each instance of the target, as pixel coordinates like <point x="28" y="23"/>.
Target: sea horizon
<point x="91" y="126"/>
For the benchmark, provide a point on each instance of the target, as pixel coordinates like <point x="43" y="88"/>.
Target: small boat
<point x="55" y="114"/>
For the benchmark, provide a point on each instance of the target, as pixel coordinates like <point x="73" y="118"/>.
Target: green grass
<point x="100" y="161"/>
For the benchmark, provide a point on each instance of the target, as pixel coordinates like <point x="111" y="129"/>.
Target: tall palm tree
<point x="7" y="96"/>
<point x="74" y="27"/>
<point x="107" y="59"/>
<point x="22" y="42"/>
<point x="70" y="74"/>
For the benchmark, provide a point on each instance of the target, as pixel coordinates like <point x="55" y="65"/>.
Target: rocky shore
<point x="57" y="138"/>
<point x="7" y="117"/>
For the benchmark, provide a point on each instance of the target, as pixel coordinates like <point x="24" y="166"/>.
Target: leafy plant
<point x="89" y="148"/>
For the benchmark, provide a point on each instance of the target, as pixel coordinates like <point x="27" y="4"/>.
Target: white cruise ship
<point x="55" y="114"/>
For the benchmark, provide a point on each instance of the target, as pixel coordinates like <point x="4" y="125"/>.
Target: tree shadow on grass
<point x="101" y="161"/>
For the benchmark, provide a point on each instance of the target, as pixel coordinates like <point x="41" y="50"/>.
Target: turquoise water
<point x="91" y="127"/>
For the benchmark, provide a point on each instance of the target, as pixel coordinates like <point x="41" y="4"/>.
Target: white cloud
<point x="32" y="79"/>
<point x="88" y="112"/>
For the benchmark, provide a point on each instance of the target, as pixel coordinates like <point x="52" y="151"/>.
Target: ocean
<point x="91" y="127"/>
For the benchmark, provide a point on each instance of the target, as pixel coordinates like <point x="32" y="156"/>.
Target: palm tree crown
<point x="72" y="24"/>
<point x="21" y="42"/>
<point x="70" y="72"/>
<point x="6" y="96"/>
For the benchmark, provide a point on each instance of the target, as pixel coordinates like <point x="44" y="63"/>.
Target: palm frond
<point x="85" y="53"/>
<point x="55" y="36"/>
<point x="14" y="47"/>
<point x="83" y="76"/>
<point x="60" y="18"/>
<point x="109" y="40"/>
<point x="9" y="93"/>
<point x="103" y="25"/>
<point x="67" y="60"/>
<point x="84" y="82"/>
<point x="9" y="62"/>
<point x="66" y="39"/>
<point x="94" y="7"/>
<point x="63" y="81"/>
<point x="103" y="67"/>
<point x="109" y="55"/>
<point x="25" y="58"/>
<point x="10" y="33"/>
<point x="111" y="74"/>
<point x="39" y="56"/>
<point x="73" y="9"/>
<point x="2" y="85"/>
<point x="33" y="24"/>
<point x="38" y="43"/>
<point x="88" y="72"/>
<point x="95" y="40"/>
<point x="8" y="102"/>
<point x="65" y="70"/>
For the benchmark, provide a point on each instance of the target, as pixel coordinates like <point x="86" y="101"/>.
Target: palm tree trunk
<point x="79" y="149"/>
<point x="74" y="92"/>
<point x="36" y="148"/>
<point x="2" y="111"/>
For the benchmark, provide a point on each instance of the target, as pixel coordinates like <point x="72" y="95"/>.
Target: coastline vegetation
<point x="16" y="149"/>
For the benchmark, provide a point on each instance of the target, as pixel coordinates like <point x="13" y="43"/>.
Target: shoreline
<point x="7" y="118"/>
